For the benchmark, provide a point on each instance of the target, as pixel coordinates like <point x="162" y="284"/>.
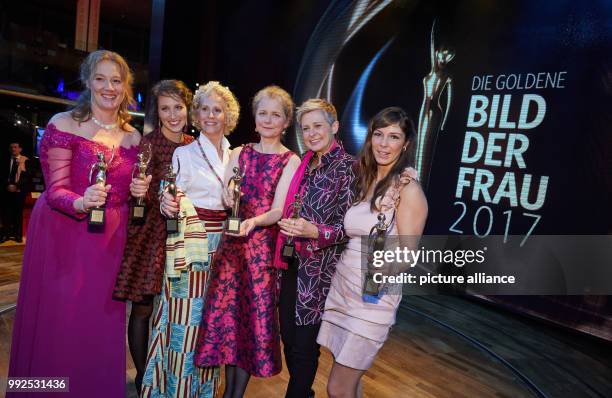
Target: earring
<point x="404" y="149"/>
<point x="159" y="123"/>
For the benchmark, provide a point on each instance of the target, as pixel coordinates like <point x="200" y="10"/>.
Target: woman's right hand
<point x="95" y="196"/>
<point x="169" y="205"/>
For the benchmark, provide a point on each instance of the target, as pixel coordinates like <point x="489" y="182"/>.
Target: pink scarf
<point x="294" y="188"/>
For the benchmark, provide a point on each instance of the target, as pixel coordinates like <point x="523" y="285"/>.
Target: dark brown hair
<point x="366" y="163"/>
<point x="168" y="88"/>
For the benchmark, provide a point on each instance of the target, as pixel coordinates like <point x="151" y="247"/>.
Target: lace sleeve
<point x="56" y="158"/>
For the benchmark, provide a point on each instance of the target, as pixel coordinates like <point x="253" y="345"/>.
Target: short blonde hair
<point x="277" y="93"/>
<point x="317" y="104"/>
<point x="231" y="107"/>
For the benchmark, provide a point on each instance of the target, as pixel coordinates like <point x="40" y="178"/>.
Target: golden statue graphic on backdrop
<point x="434" y="112"/>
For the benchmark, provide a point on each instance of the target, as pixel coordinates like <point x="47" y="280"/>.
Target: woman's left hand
<point x="139" y="186"/>
<point x="299" y="228"/>
<point x="408" y="174"/>
<point x="245" y="227"/>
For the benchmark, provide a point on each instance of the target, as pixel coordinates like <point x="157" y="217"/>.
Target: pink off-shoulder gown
<point x="67" y="324"/>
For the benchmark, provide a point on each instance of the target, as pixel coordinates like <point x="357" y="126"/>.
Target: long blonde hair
<point x="82" y="110"/>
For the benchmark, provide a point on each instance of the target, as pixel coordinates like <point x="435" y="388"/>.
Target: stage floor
<point x="441" y="346"/>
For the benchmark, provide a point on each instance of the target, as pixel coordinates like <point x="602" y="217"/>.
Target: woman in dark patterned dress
<point x="140" y="275"/>
<point x="240" y="324"/>
<point x="323" y="182"/>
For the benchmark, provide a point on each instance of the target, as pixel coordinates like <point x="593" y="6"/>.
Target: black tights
<point x="138" y="337"/>
<point x="236" y="380"/>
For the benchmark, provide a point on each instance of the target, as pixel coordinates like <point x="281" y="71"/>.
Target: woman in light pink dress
<point x="67" y="324"/>
<point x="355" y="328"/>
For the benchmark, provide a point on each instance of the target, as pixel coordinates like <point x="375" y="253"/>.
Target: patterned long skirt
<point x="170" y="370"/>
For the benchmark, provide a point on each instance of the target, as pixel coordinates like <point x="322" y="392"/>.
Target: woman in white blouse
<point x="200" y="167"/>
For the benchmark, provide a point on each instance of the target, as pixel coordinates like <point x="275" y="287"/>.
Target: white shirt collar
<point x="205" y="141"/>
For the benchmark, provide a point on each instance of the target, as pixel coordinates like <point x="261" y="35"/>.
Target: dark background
<point x="245" y="45"/>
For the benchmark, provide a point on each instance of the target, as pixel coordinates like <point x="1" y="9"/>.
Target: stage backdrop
<point x="512" y="104"/>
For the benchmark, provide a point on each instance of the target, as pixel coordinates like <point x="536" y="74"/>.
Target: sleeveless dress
<point x="67" y="324"/>
<point x="142" y="269"/>
<point x="354" y="330"/>
<point x="240" y="321"/>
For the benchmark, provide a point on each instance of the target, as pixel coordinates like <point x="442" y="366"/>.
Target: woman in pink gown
<point x="67" y="324"/>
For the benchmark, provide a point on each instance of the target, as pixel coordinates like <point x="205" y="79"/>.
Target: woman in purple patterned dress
<point x="240" y="325"/>
<point x="67" y="324"/>
<point x="323" y="182"/>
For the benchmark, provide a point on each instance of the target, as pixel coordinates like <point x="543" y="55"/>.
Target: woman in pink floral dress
<point x="240" y="322"/>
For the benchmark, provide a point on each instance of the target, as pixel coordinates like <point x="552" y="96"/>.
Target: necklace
<point x="102" y="125"/>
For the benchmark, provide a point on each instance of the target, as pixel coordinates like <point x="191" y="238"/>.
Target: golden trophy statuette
<point x="172" y="223"/>
<point x="233" y="222"/>
<point x="288" y="250"/>
<point x="99" y="169"/>
<point x="376" y="242"/>
<point x="437" y="101"/>
<point x="137" y="211"/>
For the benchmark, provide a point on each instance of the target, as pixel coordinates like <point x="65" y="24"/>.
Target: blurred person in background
<point x="16" y="178"/>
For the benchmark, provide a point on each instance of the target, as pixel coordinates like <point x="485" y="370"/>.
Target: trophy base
<point x="137" y="214"/>
<point x="288" y="252"/>
<point x="233" y="225"/>
<point x="172" y="225"/>
<point x="370" y="287"/>
<point x="96" y="217"/>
